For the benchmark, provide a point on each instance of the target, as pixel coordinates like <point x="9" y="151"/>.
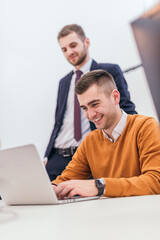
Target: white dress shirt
<point x="117" y="131"/>
<point x="65" y="138"/>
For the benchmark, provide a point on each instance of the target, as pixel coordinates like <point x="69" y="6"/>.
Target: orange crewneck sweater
<point x="130" y="166"/>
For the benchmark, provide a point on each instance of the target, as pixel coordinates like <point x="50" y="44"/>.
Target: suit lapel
<point x="64" y="94"/>
<point x="66" y="87"/>
<point x="94" y="65"/>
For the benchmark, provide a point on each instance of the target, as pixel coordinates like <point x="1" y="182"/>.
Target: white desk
<point x="133" y="218"/>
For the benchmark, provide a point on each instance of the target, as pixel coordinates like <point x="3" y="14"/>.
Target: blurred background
<point x="31" y="62"/>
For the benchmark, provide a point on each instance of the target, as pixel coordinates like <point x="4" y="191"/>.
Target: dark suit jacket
<point x="125" y="102"/>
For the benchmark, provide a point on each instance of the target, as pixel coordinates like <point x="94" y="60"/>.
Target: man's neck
<point x="110" y="130"/>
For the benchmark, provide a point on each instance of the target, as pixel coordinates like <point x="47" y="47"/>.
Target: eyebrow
<point x="91" y="102"/>
<point x="69" y="45"/>
<point x="72" y="43"/>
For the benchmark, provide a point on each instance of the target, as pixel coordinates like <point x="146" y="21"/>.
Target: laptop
<point x="24" y="180"/>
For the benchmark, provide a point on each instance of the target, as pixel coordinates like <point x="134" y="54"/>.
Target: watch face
<point x="101" y="181"/>
<point x="100" y="184"/>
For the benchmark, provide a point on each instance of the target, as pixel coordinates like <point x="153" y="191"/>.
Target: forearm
<point x="125" y="102"/>
<point x="75" y="170"/>
<point x="146" y="184"/>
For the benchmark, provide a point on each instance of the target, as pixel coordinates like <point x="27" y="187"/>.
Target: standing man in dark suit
<point x="65" y="137"/>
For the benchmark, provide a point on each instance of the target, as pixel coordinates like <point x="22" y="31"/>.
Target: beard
<point x="81" y="57"/>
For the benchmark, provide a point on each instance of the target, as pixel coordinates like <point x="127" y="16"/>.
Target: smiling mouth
<point x="72" y="57"/>
<point x="97" y="119"/>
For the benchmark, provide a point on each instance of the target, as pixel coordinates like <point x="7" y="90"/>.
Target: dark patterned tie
<point x="77" y="112"/>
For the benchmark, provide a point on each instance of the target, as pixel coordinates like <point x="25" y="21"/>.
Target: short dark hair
<point x="98" y="77"/>
<point x="72" y="28"/>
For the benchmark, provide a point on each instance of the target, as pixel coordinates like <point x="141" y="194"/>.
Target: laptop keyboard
<point x="76" y="199"/>
<point x="69" y="200"/>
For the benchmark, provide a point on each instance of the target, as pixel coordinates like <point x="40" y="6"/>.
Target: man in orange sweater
<point x="122" y="154"/>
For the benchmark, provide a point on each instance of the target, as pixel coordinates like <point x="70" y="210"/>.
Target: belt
<point x="66" y="152"/>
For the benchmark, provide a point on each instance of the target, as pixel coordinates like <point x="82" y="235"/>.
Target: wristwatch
<point x="100" y="184"/>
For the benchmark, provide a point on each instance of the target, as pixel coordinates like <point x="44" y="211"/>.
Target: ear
<point x="87" y="42"/>
<point x="116" y="96"/>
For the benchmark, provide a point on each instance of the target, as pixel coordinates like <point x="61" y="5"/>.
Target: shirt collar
<point x="117" y="131"/>
<point x="86" y="67"/>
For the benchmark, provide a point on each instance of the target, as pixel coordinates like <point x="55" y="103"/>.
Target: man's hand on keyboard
<point x="85" y="188"/>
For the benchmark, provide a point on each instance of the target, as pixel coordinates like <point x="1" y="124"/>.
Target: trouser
<point x="56" y="164"/>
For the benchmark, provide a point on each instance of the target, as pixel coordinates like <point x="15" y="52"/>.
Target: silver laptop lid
<point x="23" y="178"/>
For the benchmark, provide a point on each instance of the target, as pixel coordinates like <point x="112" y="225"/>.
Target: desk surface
<point x="126" y="218"/>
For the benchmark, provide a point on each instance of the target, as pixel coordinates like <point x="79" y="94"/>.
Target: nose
<point x="69" y="52"/>
<point x="91" y="114"/>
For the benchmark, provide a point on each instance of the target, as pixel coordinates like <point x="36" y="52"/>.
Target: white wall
<point x="31" y="62"/>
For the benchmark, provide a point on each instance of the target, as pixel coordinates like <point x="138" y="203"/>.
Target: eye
<point x="73" y="45"/>
<point x="84" y="108"/>
<point x="64" y="49"/>
<point x="94" y="104"/>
